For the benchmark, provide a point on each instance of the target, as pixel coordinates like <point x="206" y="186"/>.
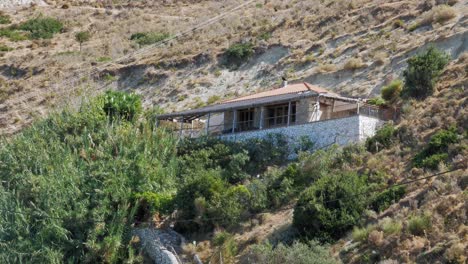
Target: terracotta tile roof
<point x="289" y="89"/>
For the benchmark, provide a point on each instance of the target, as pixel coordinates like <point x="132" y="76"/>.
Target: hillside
<point x="92" y="178"/>
<point x="351" y="47"/>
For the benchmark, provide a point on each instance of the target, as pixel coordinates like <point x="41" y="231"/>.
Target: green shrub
<point x="390" y="227"/>
<point x="121" y="105"/>
<point x="259" y="195"/>
<point x="422" y="73"/>
<point x="149" y="38"/>
<point x="398" y="23"/>
<point x="331" y="206"/>
<point x="13" y="35"/>
<point x="377" y="101"/>
<point x="264" y="36"/>
<point x="436" y="150"/>
<point x="226" y="247"/>
<point x="234" y="203"/>
<point x="419" y="224"/>
<point x="239" y="52"/>
<point x="360" y="234"/>
<point x="155" y="202"/>
<point x="386" y="198"/>
<point x="383" y="138"/>
<point x="297" y="253"/>
<point x="42" y="27"/>
<point x="104" y="59"/>
<point x="4" y="19"/>
<point x="391" y="92"/>
<point x="4" y="48"/>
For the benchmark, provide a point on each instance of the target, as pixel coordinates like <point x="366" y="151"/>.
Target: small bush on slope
<point x="391" y="92"/>
<point x="330" y="207"/>
<point x="422" y="73"/>
<point x="436" y="150"/>
<point x="121" y="105"/>
<point x="383" y="138"/>
<point x="149" y="38"/>
<point x="239" y="53"/>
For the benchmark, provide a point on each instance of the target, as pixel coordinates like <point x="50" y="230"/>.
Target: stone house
<point x="296" y="110"/>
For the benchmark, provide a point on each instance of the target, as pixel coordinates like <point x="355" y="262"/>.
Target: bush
<point x="386" y="198"/>
<point x="377" y="101"/>
<point x="149" y="37"/>
<point x="354" y="64"/>
<point x="42" y="27"/>
<point x="422" y="73"/>
<point x="390" y="227"/>
<point x="383" y="138"/>
<point x="439" y="14"/>
<point x="4" y="19"/>
<point x="239" y="52"/>
<point x="360" y="234"/>
<point x="120" y="105"/>
<point x="4" y="48"/>
<point x="398" y="23"/>
<point x="418" y="225"/>
<point x="436" y="150"/>
<point x="226" y="247"/>
<point x="297" y="253"/>
<point x="331" y="206"/>
<point x="391" y="92"/>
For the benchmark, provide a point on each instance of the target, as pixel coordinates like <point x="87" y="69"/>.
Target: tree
<point x="422" y="73"/>
<point x="82" y="36"/>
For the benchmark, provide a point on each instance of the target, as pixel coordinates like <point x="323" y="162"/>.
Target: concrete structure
<point x="298" y="110"/>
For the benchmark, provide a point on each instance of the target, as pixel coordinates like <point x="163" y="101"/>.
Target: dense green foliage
<point x="148" y="38"/>
<point x="120" y="105"/>
<point x="42" y="27"/>
<point x="422" y="73"/>
<point x="383" y="138"/>
<point x="436" y="150"/>
<point x="297" y="253"/>
<point x="239" y="52"/>
<point x="71" y="180"/>
<point x="330" y="207"/>
<point x="12" y="34"/>
<point x="386" y="198"/>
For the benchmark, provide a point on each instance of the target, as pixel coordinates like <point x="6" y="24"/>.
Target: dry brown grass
<point x="354" y="64"/>
<point x="326" y="68"/>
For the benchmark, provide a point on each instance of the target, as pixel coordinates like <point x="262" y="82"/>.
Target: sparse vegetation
<point x="4" y="48"/>
<point x="326" y="68"/>
<point x="354" y="64"/>
<point x="298" y="253"/>
<point x="422" y="73"/>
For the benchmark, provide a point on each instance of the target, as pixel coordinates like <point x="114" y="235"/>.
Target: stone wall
<point x="341" y="131"/>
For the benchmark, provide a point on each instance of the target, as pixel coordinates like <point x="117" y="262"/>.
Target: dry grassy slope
<point x="307" y="38"/>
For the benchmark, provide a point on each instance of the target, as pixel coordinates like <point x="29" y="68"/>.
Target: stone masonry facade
<point x="342" y="131"/>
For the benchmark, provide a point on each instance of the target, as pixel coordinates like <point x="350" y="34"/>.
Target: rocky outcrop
<point x="160" y="245"/>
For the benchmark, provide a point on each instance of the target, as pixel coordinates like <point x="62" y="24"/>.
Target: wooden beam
<point x="262" y="108"/>
<point x="208" y="124"/>
<point x="234" y="117"/>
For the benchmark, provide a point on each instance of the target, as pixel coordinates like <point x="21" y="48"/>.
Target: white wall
<point x="342" y="131"/>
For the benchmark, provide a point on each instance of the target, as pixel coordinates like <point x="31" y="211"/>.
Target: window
<point x="245" y="119"/>
<point x="277" y="115"/>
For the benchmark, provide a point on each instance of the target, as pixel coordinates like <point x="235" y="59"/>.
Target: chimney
<point x="285" y="82"/>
